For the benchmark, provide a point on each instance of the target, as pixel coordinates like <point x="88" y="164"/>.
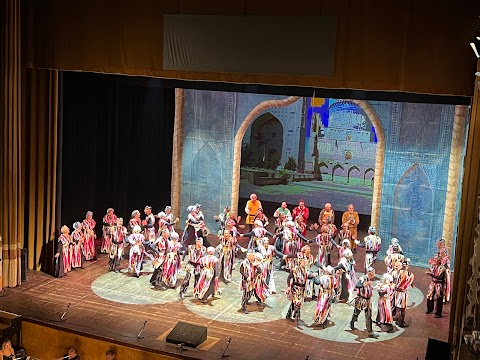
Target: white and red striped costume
<point x="384" y="314"/>
<point x="109" y="223"/>
<point x="150" y="227"/>
<point x="328" y="284"/>
<point x="193" y="266"/>
<point x="268" y="252"/>
<point x="89" y="241"/>
<point x="347" y="278"/>
<point x="372" y="245"/>
<point x="116" y="247"/>
<point x="172" y="263"/>
<point x="66" y="254"/>
<point x="132" y="222"/>
<point x="77" y="239"/>
<point x="291" y="245"/>
<point x="208" y="274"/>
<point x="227" y="249"/>
<point x="324" y="246"/>
<point x="137" y="251"/>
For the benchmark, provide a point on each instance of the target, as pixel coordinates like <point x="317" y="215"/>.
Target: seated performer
<point x="295" y="291"/>
<point x="384" y="308"/>
<point x="327" y="214"/>
<point x="116" y="248"/>
<point x="402" y="279"/>
<point x="207" y="284"/>
<point x="363" y="301"/>
<point x="352" y="219"/>
<point x="372" y="244"/>
<point x="251" y="209"/>
<point x="109" y="223"/>
<point x="195" y="253"/>
<point x="301" y="209"/>
<point x="63" y="256"/>
<point x="78" y="244"/>
<point x="137" y="250"/>
<point x="326" y="296"/>
<point x="88" y="226"/>
<point x="283" y="209"/>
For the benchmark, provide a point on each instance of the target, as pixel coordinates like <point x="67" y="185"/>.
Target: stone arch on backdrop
<point x="267" y="134"/>
<point x="354" y="167"/>
<point x="269" y="104"/>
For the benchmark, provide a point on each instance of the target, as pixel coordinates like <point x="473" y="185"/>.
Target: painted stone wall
<point x="209" y="122"/>
<point x="418" y="140"/>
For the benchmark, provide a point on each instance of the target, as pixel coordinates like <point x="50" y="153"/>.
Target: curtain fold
<point x="468" y="220"/>
<point x="117" y="146"/>
<point x="40" y="120"/>
<point x="384" y="46"/>
<point x="12" y="184"/>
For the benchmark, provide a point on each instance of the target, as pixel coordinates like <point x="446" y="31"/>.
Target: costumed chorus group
<point x="311" y="278"/>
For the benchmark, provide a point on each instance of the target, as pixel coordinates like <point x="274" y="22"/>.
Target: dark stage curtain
<point x="12" y="182"/>
<point x="117" y="146"/>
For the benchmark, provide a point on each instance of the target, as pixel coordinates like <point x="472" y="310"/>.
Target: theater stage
<point x="114" y="306"/>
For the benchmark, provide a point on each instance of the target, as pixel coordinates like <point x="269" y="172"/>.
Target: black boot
<point x="352" y="322"/>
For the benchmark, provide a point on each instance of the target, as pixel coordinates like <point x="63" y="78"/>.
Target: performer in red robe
<point x="88" y="226"/>
<point x="109" y="223"/>
<point x="77" y="246"/>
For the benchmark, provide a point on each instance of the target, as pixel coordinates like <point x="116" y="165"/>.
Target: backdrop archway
<point x="268" y="104"/>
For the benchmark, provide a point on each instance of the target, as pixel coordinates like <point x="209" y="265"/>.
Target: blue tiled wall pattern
<point x="418" y="138"/>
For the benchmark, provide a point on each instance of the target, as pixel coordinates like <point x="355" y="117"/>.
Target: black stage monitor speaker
<point x="187" y="334"/>
<point x="438" y="350"/>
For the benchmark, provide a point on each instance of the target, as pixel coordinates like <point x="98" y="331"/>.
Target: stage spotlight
<point x="474" y="47"/>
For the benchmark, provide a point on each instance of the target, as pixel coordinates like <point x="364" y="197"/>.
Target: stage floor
<point x="115" y="305"/>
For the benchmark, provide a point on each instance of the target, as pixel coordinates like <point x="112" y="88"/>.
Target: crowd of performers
<point x="310" y="277"/>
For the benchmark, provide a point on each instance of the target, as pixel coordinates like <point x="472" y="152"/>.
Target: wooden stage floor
<point x="114" y="306"/>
